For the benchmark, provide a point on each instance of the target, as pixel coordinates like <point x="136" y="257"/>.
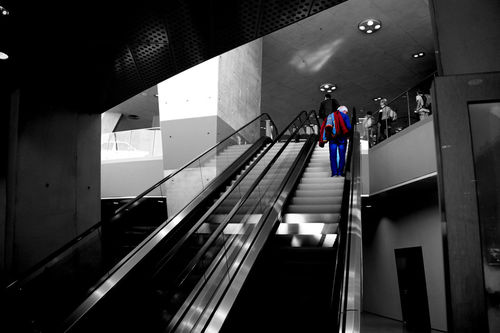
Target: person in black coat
<point x="327" y="106"/>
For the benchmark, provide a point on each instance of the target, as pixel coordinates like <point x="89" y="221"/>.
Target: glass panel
<point x="131" y="144"/>
<point x="485" y="131"/>
<point x="406" y="109"/>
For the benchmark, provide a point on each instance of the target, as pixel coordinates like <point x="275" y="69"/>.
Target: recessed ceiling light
<point x="4" y="11"/>
<point x="418" y="55"/>
<point x="369" y="25"/>
<point x="327" y="87"/>
<point x="3" y="56"/>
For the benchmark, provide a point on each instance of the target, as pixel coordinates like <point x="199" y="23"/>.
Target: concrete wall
<point x="468" y="35"/>
<point x="240" y="81"/>
<point x="404" y="157"/>
<point x="415" y="223"/>
<point x="184" y="139"/>
<point x="54" y="192"/>
<point x="130" y="177"/>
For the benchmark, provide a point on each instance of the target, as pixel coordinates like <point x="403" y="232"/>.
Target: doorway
<point x="412" y="288"/>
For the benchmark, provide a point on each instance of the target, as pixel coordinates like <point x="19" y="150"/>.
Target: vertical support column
<point x="462" y="49"/>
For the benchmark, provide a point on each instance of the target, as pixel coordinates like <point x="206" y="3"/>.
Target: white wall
<point x="401" y="227"/>
<point x="406" y="156"/>
<point x="130" y="177"/>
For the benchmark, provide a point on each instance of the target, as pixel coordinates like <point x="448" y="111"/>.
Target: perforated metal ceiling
<point x="113" y="52"/>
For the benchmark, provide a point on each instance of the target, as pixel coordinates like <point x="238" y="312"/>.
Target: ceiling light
<point x="3" y="56"/>
<point x="328" y="87"/>
<point x="377" y="99"/>
<point x="418" y="55"/>
<point x="369" y="25"/>
<point x="4" y="11"/>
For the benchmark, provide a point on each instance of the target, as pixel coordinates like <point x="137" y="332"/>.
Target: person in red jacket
<point x="336" y="130"/>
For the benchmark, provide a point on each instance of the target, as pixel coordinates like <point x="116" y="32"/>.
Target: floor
<point x="371" y="323"/>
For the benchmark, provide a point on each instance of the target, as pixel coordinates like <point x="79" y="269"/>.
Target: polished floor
<point x="371" y="323"/>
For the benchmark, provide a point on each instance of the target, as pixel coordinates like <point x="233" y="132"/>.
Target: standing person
<point x="369" y="127"/>
<point x="327" y="106"/>
<point x="386" y="116"/>
<point x="336" y="130"/>
<point x="421" y="108"/>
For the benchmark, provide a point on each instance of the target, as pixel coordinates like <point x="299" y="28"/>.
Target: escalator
<point x="39" y="300"/>
<point x="290" y="287"/>
<point x="270" y="249"/>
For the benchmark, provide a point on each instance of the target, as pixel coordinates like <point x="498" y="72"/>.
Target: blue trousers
<point x="337" y="165"/>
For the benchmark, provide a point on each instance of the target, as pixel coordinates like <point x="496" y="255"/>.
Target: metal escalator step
<point x="311" y="218"/>
<point x="304" y="241"/>
<point x="337" y="181"/>
<point x="316" y="174"/>
<point x="313" y="209"/>
<point x="321" y="186"/>
<point x="306" y="200"/>
<point x="319" y="193"/>
<point x="311" y="228"/>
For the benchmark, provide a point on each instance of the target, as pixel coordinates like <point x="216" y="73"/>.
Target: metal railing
<point x="404" y="106"/>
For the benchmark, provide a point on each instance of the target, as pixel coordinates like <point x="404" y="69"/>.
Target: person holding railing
<point x="386" y="116"/>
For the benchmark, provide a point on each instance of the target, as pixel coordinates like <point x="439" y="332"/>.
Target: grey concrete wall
<point x="393" y="230"/>
<point x="130" y="177"/>
<point x="54" y="164"/>
<point x="468" y="35"/>
<point x="240" y="72"/>
<point x="184" y="139"/>
<point x="403" y="157"/>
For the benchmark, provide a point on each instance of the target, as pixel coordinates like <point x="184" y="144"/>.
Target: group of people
<point x="381" y="128"/>
<point x="334" y="130"/>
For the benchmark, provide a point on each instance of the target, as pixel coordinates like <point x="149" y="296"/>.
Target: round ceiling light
<point x="4" y="11"/>
<point x="3" y="56"/>
<point x="369" y="25"/>
<point x="327" y="87"/>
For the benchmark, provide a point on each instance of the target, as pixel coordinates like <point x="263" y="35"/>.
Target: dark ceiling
<point x="97" y="54"/>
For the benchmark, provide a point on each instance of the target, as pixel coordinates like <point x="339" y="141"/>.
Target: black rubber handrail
<point x="53" y="256"/>
<point x="336" y="299"/>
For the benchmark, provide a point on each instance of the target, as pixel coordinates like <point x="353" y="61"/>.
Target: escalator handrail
<point x="152" y="188"/>
<point x="240" y="203"/>
<point x="337" y="302"/>
<point x="127" y="265"/>
<point x="53" y="256"/>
